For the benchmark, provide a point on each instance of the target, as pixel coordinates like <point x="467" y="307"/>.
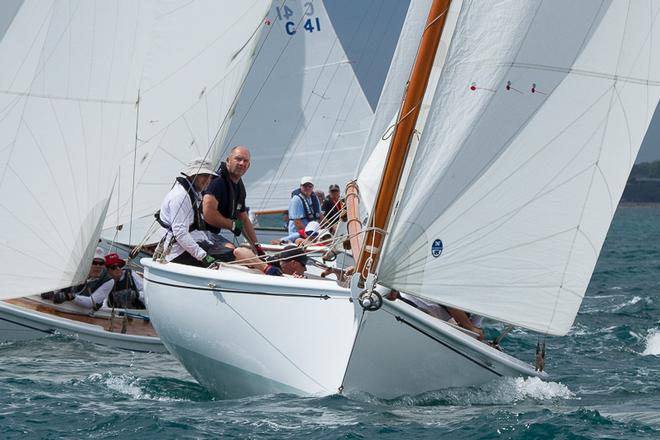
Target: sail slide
<point x="199" y="53"/>
<point x="68" y="88"/>
<point x="535" y="124"/>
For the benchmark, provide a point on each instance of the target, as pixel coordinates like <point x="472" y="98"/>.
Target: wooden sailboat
<point x="534" y="125"/>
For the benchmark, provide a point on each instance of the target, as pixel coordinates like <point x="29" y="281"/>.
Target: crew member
<point x="224" y="200"/>
<point x="180" y="214"/>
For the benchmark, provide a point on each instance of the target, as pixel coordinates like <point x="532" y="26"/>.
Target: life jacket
<point x="92" y="284"/>
<point x="124" y="294"/>
<point x="234" y="198"/>
<point x="195" y="202"/>
<point x="311" y="212"/>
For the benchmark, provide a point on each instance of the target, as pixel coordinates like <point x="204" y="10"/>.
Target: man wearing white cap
<point x="304" y="207"/>
<point x="180" y="213"/>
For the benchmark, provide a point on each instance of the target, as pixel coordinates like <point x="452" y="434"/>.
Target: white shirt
<point x="177" y="211"/>
<point x="100" y="294"/>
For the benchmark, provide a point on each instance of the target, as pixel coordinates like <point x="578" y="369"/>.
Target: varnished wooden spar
<point x="398" y="151"/>
<point x="133" y="326"/>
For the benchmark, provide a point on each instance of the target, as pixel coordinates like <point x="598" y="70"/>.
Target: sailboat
<point x="535" y="121"/>
<point x="85" y="86"/>
<point x="189" y="98"/>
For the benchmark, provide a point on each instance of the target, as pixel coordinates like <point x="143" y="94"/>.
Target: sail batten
<point x="528" y="145"/>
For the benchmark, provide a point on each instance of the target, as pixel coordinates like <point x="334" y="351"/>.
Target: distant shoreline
<point x="639" y="205"/>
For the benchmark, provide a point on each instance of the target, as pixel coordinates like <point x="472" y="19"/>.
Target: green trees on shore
<point x="644" y="184"/>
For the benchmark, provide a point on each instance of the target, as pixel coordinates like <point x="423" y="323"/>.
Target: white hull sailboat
<point x="534" y="122"/>
<point x="241" y="333"/>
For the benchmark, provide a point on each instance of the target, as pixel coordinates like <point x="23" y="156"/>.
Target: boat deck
<point x="133" y="325"/>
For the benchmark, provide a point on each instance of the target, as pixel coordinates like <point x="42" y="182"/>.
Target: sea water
<point x="605" y="379"/>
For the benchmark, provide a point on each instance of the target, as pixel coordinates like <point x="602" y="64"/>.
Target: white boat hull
<point x="284" y="338"/>
<point x="240" y="333"/>
<point x="401" y="350"/>
<point x="21" y="323"/>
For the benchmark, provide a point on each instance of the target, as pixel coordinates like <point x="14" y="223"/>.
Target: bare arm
<point x="211" y="214"/>
<point x="464" y="321"/>
<point x="248" y="228"/>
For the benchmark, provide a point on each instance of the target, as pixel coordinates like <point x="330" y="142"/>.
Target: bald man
<point x="223" y="204"/>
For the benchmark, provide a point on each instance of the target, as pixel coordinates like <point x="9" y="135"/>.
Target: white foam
<point x="516" y="389"/>
<point x="127" y="385"/>
<point x="652" y="343"/>
<point x="633" y="301"/>
<point x="503" y="391"/>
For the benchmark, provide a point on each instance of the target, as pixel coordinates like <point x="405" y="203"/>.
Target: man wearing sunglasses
<point x="123" y="289"/>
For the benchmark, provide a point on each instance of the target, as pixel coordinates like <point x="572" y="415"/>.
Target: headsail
<point x="373" y="158"/>
<point x="535" y="124"/>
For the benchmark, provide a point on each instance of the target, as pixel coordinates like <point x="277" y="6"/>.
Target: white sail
<point x="380" y="134"/>
<point x="68" y="88"/>
<point x="513" y="187"/>
<point x="302" y="111"/>
<point x="197" y="60"/>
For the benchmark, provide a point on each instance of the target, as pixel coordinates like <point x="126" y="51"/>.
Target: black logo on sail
<point x="436" y="248"/>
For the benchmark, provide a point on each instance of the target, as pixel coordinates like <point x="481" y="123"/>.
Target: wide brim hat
<point x="199" y="166"/>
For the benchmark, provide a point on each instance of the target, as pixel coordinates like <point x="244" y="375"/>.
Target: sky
<point x="371" y="77"/>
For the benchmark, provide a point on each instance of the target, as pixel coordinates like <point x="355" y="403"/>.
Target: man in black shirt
<point x="332" y="207"/>
<point x="223" y="204"/>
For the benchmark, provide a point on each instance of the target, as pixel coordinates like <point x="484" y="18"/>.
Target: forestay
<point x="198" y="57"/>
<point x="536" y="122"/>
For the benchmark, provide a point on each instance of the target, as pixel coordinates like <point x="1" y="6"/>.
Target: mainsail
<point x="68" y="83"/>
<point x="77" y="78"/>
<point x="198" y="56"/>
<point x="536" y="122"/>
<point x="302" y="110"/>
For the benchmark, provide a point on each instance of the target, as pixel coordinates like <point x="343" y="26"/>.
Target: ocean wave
<point x="652" y="343"/>
<point x="503" y="391"/>
<point x="129" y="386"/>
<point x="635" y="304"/>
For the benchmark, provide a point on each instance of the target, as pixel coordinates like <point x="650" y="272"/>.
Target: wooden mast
<point x="419" y="78"/>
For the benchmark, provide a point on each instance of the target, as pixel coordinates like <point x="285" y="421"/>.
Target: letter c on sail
<point x="436" y="248"/>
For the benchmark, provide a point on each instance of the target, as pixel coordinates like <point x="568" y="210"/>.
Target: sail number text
<point x="309" y="22"/>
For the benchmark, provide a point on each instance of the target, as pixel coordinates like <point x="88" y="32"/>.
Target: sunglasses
<point x="308" y="185"/>
<point x="114" y="266"/>
<point x="98" y="263"/>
